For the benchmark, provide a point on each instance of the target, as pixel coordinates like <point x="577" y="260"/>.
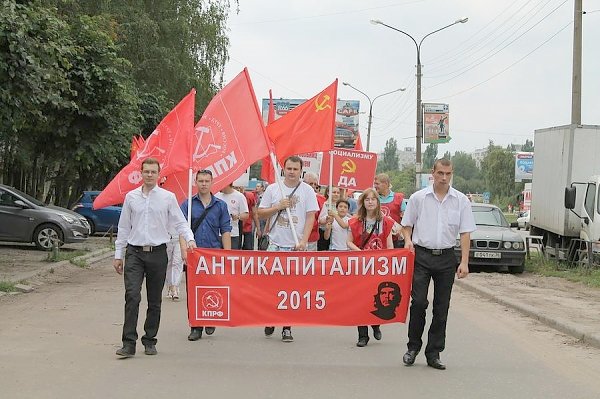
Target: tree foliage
<point x="389" y="160"/>
<point x="429" y="156"/>
<point x="79" y="78"/>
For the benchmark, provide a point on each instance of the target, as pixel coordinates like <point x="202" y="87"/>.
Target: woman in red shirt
<point x="369" y="229"/>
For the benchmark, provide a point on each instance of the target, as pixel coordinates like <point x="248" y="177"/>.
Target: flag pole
<point x="330" y="179"/>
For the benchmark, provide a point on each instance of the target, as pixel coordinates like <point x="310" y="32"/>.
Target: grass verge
<point x="581" y="274"/>
<point x="63" y="255"/>
<point x="7" y="286"/>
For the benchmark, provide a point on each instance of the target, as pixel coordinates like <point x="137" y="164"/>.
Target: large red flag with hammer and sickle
<point x="168" y="143"/>
<point x="309" y="127"/>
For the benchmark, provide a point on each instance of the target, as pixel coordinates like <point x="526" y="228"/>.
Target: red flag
<point x="168" y="143"/>
<point x="309" y="127"/>
<point x="228" y="138"/>
<point x="358" y="145"/>
<point x="137" y="142"/>
<point x="267" y="171"/>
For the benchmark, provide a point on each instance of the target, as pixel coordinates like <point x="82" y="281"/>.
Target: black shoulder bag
<point x="199" y="221"/>
<point x="263" y="241"/>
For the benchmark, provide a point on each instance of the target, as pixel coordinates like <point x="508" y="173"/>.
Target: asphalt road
<point x="59" y="342"/>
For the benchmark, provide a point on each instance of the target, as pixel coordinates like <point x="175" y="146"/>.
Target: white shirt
<point x="436" y="224"/>
<point x="146" y="219"/>
<point x="236" y="204"/>
<point x="303" y="201"/>
<point x="339" y="235"/>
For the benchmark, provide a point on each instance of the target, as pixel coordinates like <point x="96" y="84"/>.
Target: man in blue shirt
<point x="214" y="231"/>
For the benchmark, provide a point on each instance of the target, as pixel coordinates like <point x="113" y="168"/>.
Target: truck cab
<point x="588" y="207"/>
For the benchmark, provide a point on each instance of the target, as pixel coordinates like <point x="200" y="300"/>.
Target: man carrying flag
<point x="301" y="200"/>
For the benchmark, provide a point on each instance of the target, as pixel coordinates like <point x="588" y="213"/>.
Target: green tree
<point x="498" y="168"/>
<point x="429" y="156"/>
<point x="389" y="160"/>
<point x="528" y="146"/>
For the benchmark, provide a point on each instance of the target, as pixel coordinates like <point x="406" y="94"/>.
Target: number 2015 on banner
<point x="294" y="300"/>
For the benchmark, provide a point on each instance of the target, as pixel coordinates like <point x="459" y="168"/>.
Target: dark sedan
<point x="494" y="243"/>
<point x="26" y="219"/>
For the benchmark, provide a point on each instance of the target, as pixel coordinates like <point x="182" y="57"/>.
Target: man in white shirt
<point x="238" y="210"/>
<point x="301" y="200"/>
<point x="147" y="213"/>
<point x="434" y="217"/>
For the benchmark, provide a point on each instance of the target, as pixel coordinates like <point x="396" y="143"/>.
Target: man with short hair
<point x="238" y="210"/>
<point x="142" y="236"/>
<point x="211" y="223"/>
<point x="301" y="201"/>
<point x="434" y="217"/>
<point x="391" y="205"/>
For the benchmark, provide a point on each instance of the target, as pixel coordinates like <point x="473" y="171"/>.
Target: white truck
<point x="565" y="202"/>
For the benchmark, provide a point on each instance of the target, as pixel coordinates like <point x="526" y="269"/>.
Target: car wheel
<point x="46" y="235"/>
<point x="517" y="269"/>
<point x="92" y="226"/>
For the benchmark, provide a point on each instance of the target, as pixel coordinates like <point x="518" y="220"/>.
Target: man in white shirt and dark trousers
<point x="147" y="213"/>
<point x="238" y="210"/>
<point x="301" y="200"/>
<point x="434" y="217"/>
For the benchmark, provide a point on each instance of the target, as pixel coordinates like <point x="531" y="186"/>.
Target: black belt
<point x="435" y="252"/>
<point x="147" y="248"/>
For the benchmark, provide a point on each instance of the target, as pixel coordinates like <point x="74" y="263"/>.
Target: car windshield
<point x="28" y="197"/>
<point x="485" y="216"/>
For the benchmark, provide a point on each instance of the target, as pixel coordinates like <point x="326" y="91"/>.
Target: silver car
<point x="494" y="243"/>
<point x="25" y="219"/>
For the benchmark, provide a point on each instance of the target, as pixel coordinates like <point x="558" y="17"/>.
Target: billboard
<point x="523" y="166"/>
<point x="436" y="123"/>
<point x="346" y="118"/>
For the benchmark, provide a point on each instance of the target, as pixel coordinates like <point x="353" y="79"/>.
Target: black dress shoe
<point x="195" y="335"/>
<point x="436" y="364"/>
<point x="269" y="331"/>
<point x="362" y="341"/>
<point x="376" y="333"/>
<point x="150" y="349"/>
<point x="126" y="352"/>
<point x="209" y="330"/>
<point x="409" y="357"/>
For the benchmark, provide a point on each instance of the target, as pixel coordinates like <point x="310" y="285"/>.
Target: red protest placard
<point x="342" y="288"/>
<point x="351" y="169"/>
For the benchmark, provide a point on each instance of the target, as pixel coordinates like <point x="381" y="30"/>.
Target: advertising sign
<point x="436" y="123"/>
<point x="346" y="118"/>
<point x="260" y="288"/>
<point x="351" y="169"/>
<point x="523" y="166"/>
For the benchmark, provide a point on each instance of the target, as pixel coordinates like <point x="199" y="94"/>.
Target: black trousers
<point x="152" y="266"/>
<point x="363" y="331"/>
<point x="248" y="240"/>
<point x="441" y="270"/>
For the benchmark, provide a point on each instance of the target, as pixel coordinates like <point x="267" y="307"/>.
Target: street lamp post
<point x="418" y="163"/>
<point x="371" y="107"/>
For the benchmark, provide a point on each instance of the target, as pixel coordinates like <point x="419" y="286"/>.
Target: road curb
<point x="89" y="258"/>
<point x="565" y="326"/>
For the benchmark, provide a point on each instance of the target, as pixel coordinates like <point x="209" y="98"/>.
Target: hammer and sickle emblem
<point x="348" y="166"/>
<point x="323" y="104"/>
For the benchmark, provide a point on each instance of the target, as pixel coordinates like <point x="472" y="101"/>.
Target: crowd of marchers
<point x="294" y="215"/>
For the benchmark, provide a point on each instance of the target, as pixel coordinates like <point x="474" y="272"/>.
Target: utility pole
<point x="576" y="89"/>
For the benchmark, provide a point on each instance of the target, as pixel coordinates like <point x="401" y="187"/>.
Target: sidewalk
<point x="568" y="307"/>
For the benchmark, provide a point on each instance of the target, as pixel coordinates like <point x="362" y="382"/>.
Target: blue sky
<point x="504" y="73"/>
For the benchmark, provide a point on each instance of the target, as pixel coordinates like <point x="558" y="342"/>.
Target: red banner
<point x="351" y="169"/>
<point x="341" y="288"/>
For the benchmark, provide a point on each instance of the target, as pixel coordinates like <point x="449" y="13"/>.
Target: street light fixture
<point x="418" y="164"/>
<point x="371" y="107"/>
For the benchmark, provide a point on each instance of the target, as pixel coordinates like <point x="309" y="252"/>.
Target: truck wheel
<point x="517" y="269"/>
<point x="46" y="235"/>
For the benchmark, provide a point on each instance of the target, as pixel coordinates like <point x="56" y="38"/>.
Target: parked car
<point x="100" y="220"/>
<point x="494" y="243"/>
<point x="523" y="221"/>
<point x="26" y="219"/>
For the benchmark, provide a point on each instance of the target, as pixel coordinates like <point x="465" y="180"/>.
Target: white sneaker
<point x="175" y="293"/>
